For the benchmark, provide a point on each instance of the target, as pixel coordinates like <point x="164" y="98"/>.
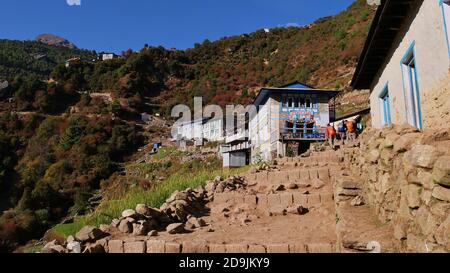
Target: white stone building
<point x="209" y="129"/>
<point x="405" y="58"/>
<point x="294" y="115"/>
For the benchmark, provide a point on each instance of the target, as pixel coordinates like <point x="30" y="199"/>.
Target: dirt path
<point x="302" y="205"/>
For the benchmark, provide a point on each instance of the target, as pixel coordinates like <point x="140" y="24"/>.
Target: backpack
<point x="341" y="128"/>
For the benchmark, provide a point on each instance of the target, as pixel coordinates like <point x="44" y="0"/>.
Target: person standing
<point x="351" y="133"/>
<point x="341" y="131"/>
<point x="331" y="135"/>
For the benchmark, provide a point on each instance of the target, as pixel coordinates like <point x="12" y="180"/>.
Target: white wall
<point x="260" y="133"/>
<point x="432" y="62"/>
<point x="235" y="159"/>
<point x="213" y="130"/>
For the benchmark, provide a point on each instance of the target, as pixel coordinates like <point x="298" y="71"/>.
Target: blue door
<point x="387" y="109"/>
<point x="411" y="85"/>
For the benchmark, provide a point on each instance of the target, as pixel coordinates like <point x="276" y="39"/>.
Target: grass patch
<point x="165" y="152"/>
<point x="153" y="197"/>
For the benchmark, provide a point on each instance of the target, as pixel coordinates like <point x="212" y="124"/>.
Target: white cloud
<point x="73" y="2"/>
<point x="292" y="25"/>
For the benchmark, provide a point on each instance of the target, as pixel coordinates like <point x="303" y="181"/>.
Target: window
<point x="302" y="102"/>
<point x="296" y="103"/>
<point x="446" y="12"/>
<point x="290" y="103"/>
<point x="411" y="89"/>
<point x="283" y="102"/>
<point x="308" y="103"/>
<point x="385" y="107"/>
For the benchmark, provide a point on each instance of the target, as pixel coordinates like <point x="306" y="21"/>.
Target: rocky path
<point x="298" y="205"/>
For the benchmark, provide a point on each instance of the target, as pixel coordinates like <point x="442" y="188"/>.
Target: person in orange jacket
<point x="331" y="134"/>
<point x="351" y="132"/>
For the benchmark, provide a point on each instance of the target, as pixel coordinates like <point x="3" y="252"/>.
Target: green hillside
<point x="20" y="58"/>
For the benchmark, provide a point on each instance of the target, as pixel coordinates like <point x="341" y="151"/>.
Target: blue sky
<point x="116" y="25"/>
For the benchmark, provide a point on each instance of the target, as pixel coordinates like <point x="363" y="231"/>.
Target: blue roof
<point x="297" y="85"/>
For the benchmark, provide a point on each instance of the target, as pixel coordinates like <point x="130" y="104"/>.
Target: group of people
<point x="346" y="131"/>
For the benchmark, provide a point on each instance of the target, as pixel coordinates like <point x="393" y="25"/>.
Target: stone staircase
<point x="300" y="205"/>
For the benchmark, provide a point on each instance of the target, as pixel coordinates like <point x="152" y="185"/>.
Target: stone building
<point x="406" y="57"/>
<point x="209" y="129"/>
<point x="294" y="115"/>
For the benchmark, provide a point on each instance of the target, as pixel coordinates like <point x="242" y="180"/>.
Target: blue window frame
<point x="411" y="88"/>
<point x="445" y="5"/>
<point x="385" y="106"/>
<point x="298" y="102"/>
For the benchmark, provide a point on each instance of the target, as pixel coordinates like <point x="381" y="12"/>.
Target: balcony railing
<point x="304" y="134"/>
<point x="236" y="136"/>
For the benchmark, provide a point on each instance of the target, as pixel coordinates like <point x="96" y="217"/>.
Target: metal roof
<point x="264" y="92"/>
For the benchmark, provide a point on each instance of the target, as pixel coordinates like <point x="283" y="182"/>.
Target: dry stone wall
<point x="406" y="178"/>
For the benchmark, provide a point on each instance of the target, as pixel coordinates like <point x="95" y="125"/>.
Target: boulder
<point x="126" y="226"/>
<point x="297" y="210"/>
<point x="115" y="223"/>
<point x="89" y="234"/>
<point x="74" y="247"/>
<point x="426" y="221"/>
<point x="389" y="140"/>
<point x="358" y="201"/>
<point x="94" y="249"/>
<point x="291" y="186"/>
<point x="373" y="156"/>
<point x="142" y="209"/>
<point x="70" y="239"/>
<point x="196" y="222"/>
<point x="413" y="196"/>
<point x="277" y="210"/>
<point x="401" y="228"/>
<point x="442" y="234"/>
<point x="175" y="228"/>
<point x="279" y="188"/>
<point x="105" y="228"/>
<point x="139" y="230"/>
<point x="441" y="171"/>
<point x="318" y="184"/>
<point x="441" y="193"/>
<point x="425" y="179"/>
<point x="347" y="182"/>
<point x="405" y="129"/>
<point x="129" y="213"/>
<point x="53" y="247"/>
<point x="210" y="187"/>
<point x="404" y="142"/>
<point x="422" y="156"/>
<point x="152" y="233"/>
<point x="303" y="185"/>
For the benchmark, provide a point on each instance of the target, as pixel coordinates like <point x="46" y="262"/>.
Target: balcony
<point x="308" y="134"/>
<point x="239" y="135"/>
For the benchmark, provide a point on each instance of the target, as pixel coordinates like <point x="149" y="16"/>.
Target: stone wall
<point x="406" y="178"/>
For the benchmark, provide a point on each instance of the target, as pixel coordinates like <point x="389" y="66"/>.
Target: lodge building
<point x="288" y="119"/>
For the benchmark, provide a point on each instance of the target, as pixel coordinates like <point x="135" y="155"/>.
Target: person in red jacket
<point x="331" y="135"/>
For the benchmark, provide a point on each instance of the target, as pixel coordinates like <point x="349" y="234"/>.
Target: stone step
<point x="314" y="158"/>
<point x="272" y="200"/>
<point x="159" y="247"/>
<point x="279" y="177"/>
